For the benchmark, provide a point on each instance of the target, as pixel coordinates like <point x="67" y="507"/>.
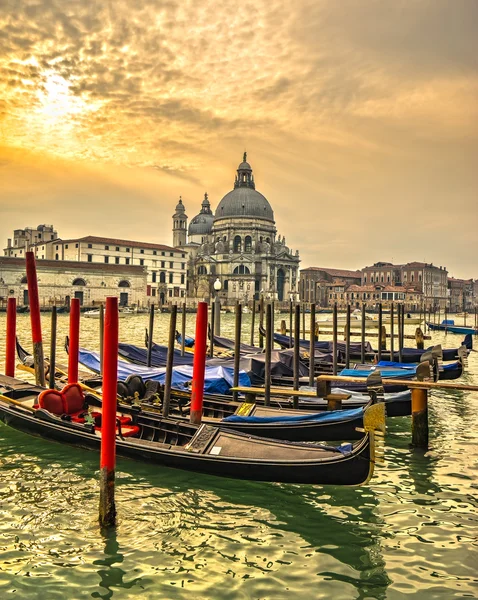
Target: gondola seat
<point x="70" y="401"/>
<point x="124" y="424"/>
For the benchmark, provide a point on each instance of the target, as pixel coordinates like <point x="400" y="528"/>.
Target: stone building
<point x="60" y="281"/>
<point x="460" y="295"/>
<point x="239" y="245"/>
<point x="316" y="281"/>
<point x="431" y="281"/>
<point x="165" y="265"/>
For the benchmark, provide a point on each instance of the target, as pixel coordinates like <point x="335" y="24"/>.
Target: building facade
<point x="24" y="238"/>
<point x="315" y="283"/>
<point x="461" y="297"/>
<point x="238" y="245"/>
<point x="60" y="281"/>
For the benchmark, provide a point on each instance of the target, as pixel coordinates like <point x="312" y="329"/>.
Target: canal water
<point x="411" y="532"/>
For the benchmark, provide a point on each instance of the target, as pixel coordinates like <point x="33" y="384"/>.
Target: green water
<point x="412" y="532"/>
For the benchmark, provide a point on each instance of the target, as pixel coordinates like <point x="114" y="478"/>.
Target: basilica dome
<point x="201" y="224"/>
<point x="244" y="200"/>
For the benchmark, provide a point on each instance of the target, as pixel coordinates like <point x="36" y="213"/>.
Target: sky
<point x="359" y="117"/>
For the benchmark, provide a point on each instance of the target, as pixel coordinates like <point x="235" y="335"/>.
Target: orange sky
<point x="360" y="119"/>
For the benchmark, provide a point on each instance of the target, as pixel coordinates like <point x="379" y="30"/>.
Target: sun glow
<point x="57" y="101"/>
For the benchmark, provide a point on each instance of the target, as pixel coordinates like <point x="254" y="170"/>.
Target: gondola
<point x="408" y="354"/>
<point x="448" y="326"/>
<point x="60" y="417"/>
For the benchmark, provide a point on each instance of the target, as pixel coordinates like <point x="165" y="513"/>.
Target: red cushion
<point x="74" y="398"/>
<point x="53" y="401"/>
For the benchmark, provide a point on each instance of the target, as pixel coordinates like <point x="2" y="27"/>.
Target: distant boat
<point x="371" y="322"/>
<point x="123" y="312"/>
<point x="448" y="325"/>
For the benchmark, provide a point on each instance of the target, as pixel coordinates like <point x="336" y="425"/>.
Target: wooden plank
<point x="368" y="334"/>
<point x="275" y="391"/>
<point x="407" y="383"/>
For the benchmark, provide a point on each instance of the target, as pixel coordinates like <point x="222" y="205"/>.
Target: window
<point x="163" y="264"/>
<point x="153" y="292"/>
<point x="117" y="248"/>
<point x="163" y="254"/>
<point x="90" y="257"/>
<point x="162" y="277"/>
<point x="128" y="249"/>
<point x="123" y="283"/>
<point x="141" y="261"/>
<point x="57" y="257"/>
<point x="183" y="256"/>
<point x="79" y="281"/>
<point x="182" y="279"/>
<point x="117" y="259"/>
<point x="90" y="245"/>
<point x="170" y="293"/>
<point x="107" y="259"/>
<point x="56" y="248"/>
<point x="237" y="243"/>
<point x="76" y="245"/>
<point x="171" y="254"/>
<point x="171" y="265"/>
<point x="248" y="244"/>
<point x="171" y="278"/>
<point x="153" y="276"/>
<point x="241" y="270"/>
<point x="107" y="247"/>
<point x="141" y="251"/>
<point x="155" y="252"/>
<point x="182" y="265"/>
<point x="66" y="246"/>
<point x="126" y="261"/>
<point x="52" y="237"/>
<point x="202" y="270"/>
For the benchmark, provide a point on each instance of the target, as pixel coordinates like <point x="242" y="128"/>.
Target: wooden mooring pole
<point x="107" y="508"/>
<point x="347" y="338"/>
<point x="295" y="400"/>
<point x="312" y="346"/>
<point x="183" y="329"/>
<point x="53" y="348"/>
<point x="362" y="333"/>
<point x="11" y="335"/>
<point x="392" y="327"/>
<point x="74" y="345"/>
<point x="102" y="335"/>
<point x="237" y="348"/>
<point x="150" y="334"/>
<point x="169" y="360"/>
<point x="420" y="418"/>
<point x="334" y="340"/>
<point x="213" y="325"/>
<point x="267" y="375"/>
<point x="261" y="321"/>
<point x="380" y="322"/>
<point x="253" y="321"/>
<point x="199" y="364"/>
<point x="35" y="320"/>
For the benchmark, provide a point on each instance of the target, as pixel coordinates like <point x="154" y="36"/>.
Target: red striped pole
<point x="199" y="365"/>
<point x="74" y="346"/>
<point x="34" y="302"/>
<point x="10" y="341"/>
<point x="108" y="420"/>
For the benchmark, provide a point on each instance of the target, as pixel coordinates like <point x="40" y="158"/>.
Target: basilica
<point x="236" y="247"/>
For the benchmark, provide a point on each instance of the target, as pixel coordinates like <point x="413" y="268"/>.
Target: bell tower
<point x="180" y="224"/>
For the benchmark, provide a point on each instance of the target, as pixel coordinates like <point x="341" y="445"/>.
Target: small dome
<point x="201" y="224"/>
<point x="244" y="166"/>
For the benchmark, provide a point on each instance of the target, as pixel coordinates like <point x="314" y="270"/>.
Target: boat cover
<point x="218" y="380"/>
<point x="333" y="416"/>
<point x="385" y="373"/>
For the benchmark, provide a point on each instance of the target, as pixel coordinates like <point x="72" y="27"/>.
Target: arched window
<point x="241" y="270"/>
<point x="24" y="279"/>
<point x="248" y="244"/>
<point x="162" y="277"/>
<point x="123" y="283"/>
<point x="79" y="281"/>
<point x="202" y="270"/>
<point x="237" y="243"/>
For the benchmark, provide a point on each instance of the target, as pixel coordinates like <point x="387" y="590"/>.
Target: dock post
<point x="295" y="400"/>
<point x="11" y="335"/>
<point x="334" y="340"/>
<point x="380" y="321"/>
<point x="51" y="384"/>
<point x="419" y="338"/>
<point x="237" y="348"/>
<point x="102" y="334"/>
<point x="347" y="338"/>
<point x="324" y="388"/>
<point x="199" y="364"/>
<point x="383" y="337"/>
<point x="253" y="321"/>
<point x="303" y="320"/>
<point x="169" y="360"/>
<point x="446" y="319"/>
<point x="420" y="418"/>
<point x="362" y="338"/>
<point x="267" y="376"/>
<point x="272" y="324"/>
<point x="333" y="403"/>
<point x="183" y="328"/>
<point x="312" y="345"/>
<point x="107" y="512"/>
<point x="261" y="321"/>
<point x="74" y="346"/>
<point x="150" y="334"/>
<point x="392" y="330"/>
<point x="35" y="321"/>
<point x="399" y="327"/>
<point x="212" y="330"/>
<point x="290" y="323"/>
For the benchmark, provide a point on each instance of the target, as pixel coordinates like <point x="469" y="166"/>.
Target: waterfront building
<point x="315" y="283"/>
<point x="239" y="245"/>
<point x="460" y="295"/>
<point x="165" y="265"/>
<point x="60" y="281"/>
<point x="431" y="281"/>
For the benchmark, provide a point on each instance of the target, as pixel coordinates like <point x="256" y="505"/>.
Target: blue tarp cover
<point x="218" y="380"/>
<point x="333" y="416"/>
<point x="387" y="373"/>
